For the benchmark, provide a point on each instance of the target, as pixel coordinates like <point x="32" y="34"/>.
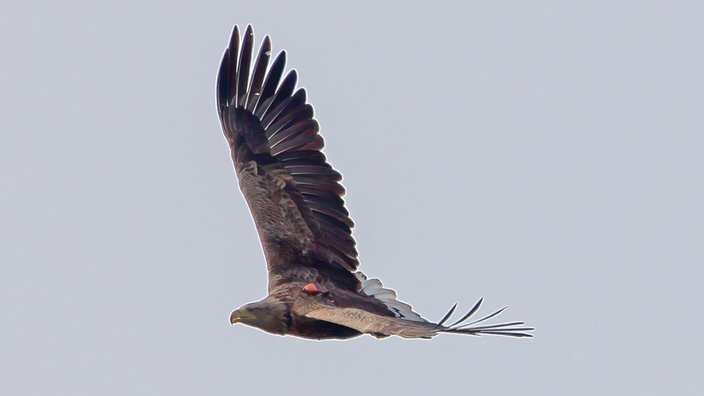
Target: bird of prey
<point x="295" y="198"/>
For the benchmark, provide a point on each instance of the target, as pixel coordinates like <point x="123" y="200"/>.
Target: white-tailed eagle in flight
<point x="295" y="196"/>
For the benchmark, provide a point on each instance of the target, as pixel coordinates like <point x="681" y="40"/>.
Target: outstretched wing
<point x="382" y="326"/>
<point x="294" y="195"/>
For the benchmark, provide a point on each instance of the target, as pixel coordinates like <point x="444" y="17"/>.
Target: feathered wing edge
<point x="475" y="327"/>
<point x="381" y="326"/>
<point x="266" y="119"/>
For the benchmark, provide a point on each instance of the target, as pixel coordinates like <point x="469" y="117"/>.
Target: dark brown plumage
<point x="295" y="197"/>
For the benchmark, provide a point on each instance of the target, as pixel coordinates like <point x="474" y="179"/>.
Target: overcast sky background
<point x="544" y="155"/>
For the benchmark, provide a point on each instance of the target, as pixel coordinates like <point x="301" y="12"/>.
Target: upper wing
<point x="378" y="325"/>
<point x="293" y="193"/>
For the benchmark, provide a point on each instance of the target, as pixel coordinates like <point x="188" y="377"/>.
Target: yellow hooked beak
<point x="239" y="315"/>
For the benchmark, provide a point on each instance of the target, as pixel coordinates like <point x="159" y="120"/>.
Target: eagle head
<point x="269" y="314"/>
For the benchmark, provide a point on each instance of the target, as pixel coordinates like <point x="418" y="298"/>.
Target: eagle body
<point x="315" y="290"/>
<point x="289" y="315"/>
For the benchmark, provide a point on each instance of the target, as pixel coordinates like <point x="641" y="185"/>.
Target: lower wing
<point x="380" y="326"/>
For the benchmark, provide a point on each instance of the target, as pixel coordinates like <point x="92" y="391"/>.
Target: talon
<point x="313" y="289"/>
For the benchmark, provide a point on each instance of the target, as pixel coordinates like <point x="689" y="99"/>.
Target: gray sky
<point x="543" y="155"/>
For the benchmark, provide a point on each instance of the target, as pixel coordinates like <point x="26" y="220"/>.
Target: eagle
<point x="295" y="197"/>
